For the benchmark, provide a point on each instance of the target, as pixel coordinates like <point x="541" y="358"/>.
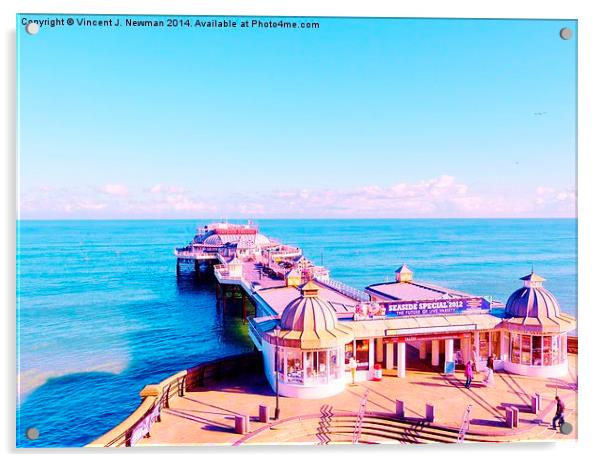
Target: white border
<point x="589" y="203"/>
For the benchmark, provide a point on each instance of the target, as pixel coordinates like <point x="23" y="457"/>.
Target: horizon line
<point x="225" y="220"/>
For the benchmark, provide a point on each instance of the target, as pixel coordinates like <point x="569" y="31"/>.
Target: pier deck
<point x="206" y="415"/>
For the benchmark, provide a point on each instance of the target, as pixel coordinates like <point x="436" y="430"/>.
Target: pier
<point x="379" y="365"/>
<point x="246" y="265"/>
<point x="321" y="326"/>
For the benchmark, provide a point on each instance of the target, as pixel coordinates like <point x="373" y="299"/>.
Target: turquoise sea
<point x="101" y="312"/>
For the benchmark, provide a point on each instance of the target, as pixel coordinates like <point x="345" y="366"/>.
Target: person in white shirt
<point x="353" y="367"/>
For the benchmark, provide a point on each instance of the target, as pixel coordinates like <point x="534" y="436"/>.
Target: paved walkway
<point x="206" y="416"/>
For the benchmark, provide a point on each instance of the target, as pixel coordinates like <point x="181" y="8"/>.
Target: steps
<point x="375" y="429"/>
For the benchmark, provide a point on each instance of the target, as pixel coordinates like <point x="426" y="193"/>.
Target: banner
<point x="436" y="307"/>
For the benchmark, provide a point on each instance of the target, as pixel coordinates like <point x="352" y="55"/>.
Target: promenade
<point x="206" y="415"/>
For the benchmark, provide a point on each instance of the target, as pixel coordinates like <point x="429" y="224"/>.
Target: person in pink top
<point x="468" y="373"/>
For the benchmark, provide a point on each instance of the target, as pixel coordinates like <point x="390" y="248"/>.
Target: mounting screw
<point x="32" y="433"/>
<point x="566" y="33"/>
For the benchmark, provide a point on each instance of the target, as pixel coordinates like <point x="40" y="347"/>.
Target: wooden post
<point x="534" y="404"/>
<point x="512" y="416"/>
<point x="264" y="413"/>
<point x="509" y="417"/>
<point x="400" y="408"/>
<point x="515" y="416"/>
<point x="430" y="413"/>
<point x="240" y="424"/>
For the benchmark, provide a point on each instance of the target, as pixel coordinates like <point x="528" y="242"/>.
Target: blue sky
<point x="360" y="118"/>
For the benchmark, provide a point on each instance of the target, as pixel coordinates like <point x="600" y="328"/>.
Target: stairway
<point x="330" y="428"/>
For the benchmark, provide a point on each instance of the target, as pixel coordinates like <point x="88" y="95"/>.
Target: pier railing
<point x="157" y="397"/>
<point x="344" y="289"/>
<point x="194" y="254"/>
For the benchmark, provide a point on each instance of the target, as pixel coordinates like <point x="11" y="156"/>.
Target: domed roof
<point x="532" y="302"/>
<point x="535" y="308"/>
<point x="310" y="322"/>
<point x="213" y="240"/>
<point x="308" y="312"/>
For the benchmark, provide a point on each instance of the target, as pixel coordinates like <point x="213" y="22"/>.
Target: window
<point x="321" y="364"/>
<point x="309" y="367"/>
<point x="563" y="347"/>
<point x="294" y="366"/>
<point x="361" y="354"/>
<point x="555" y="349"/>
<point x="348" y="352"/>
<point x="484" y="345"/>
<point x="525" y="346"/>
<point x="537" y="357"/>
<point x="515" y="348"/>
<point x="335" y="370"/>
<point x="547" y="350"/>
<point x="495" y="344"/>
<point x="316" y="366"/>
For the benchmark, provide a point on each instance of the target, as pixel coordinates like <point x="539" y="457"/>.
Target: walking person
<point x="475" y="359"/>
<point x="559" y="417"/>
<point x="353" y="367"/>
<point x="458" y="358"/>
<point x="468" y="373"/>
<point x="489" y="377"/>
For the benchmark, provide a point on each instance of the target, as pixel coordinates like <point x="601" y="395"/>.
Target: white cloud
<point x="115" y="189"/>
<point x="160" y="188"/>
<point x="442" y="196"/>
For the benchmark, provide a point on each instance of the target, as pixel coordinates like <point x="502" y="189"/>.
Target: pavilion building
<point x="312" y="336"/>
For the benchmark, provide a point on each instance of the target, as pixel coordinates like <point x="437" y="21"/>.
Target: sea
<point x="101" y="312"/>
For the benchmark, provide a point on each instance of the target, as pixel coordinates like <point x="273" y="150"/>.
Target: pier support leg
<point x="244" y="308"/>
<point x="218" y="295"/>
<point x="197" y="268"/>
<point x="401" y="359"/>
<point x="435" y="353"/>
<point x="178" y="267"/>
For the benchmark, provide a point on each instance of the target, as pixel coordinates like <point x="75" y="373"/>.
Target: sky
<point x="360" y="118"/>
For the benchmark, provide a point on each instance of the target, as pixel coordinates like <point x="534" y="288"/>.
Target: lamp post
<point x="277" y="410"/>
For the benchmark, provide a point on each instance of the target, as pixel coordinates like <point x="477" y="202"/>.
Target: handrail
<point x="465" y="424"/>
<point x="343" y="288"/>
<point x="357" y="432"/>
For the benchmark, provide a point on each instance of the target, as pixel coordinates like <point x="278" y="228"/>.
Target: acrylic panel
<point x="349" y="230"/>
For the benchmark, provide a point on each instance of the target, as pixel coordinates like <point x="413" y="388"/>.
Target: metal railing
<point x="357" y="432"/>
<point x="157" y="397"/>
<point x="465" y="424"/>
<point x="349" y="291"/>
